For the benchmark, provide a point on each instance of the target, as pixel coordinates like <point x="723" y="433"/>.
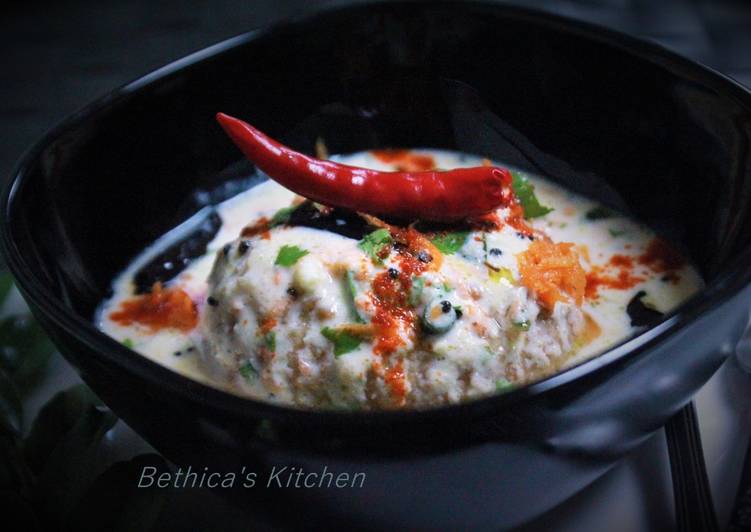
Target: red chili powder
<point x="162" y="308"/>
<point x="405" y="160"/>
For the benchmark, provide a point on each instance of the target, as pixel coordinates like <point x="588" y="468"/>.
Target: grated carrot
<point x="552" y="272"/>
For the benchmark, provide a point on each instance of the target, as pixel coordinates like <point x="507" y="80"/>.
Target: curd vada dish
<point x="388" y="279"/>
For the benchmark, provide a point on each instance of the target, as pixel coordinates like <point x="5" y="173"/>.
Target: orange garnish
<point x="552" y="272"/>
<point x="163" y="308"/>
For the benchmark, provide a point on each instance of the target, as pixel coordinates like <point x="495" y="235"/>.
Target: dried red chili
<point x="440" y="196"/>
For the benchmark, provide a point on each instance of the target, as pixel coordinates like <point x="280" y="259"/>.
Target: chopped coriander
<point x="502" y="385"/>
<point x="616" y="232"/>
<point x="599" y="213"/>
<point x="450" y="243"/>
<point x="128" y="343"/>
<point x="288" y="255"/>
<point x="269" y="340"/>
<point x="248" y="372"/>
<point x="282" y="216"/>
<point x="415" y="293"/>
<point x="522" y="325"/>
<point x="374" y="243"/>
<point x="343" y="341"/>
<point x="349" y="278"/>
<point x="525" y="192"/>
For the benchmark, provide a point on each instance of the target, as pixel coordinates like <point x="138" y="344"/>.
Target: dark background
<point x="56" y="57"/>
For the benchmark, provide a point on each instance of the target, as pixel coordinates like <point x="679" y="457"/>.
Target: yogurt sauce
<point x="621" y="258"/>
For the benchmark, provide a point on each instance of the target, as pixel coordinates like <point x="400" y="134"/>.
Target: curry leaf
<point x="343" y="341"/>
<point x="288" y="255"/>
<point x="525" y="192"/>
<point x="374" y="243"/>
<point x="450" y="243"/>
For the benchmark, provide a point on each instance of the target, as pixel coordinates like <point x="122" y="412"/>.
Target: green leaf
<point x="374" y="243"/>
<point x="11" y="409"/>
<point x="599" y="213"/>
<point x="415" y="293"/>
<point x="343" y="341"/>
<point x="282" y="216"/>
<point x="56" y="418"/>
<point x="71" y="466"/>
<point x="288" y="255"/>
<point x="522" y="325"/>
<point x="269" y="340"/>
<point x="6" y="283"/>
<point x="349" y="278"/>
<point x="615" y="233"/>
<point x="502" y="385"/>
<point x="525" y="192"/>
<point x="24" y="350"/>
<point x="248" y="371"/>
<point x="450" y="243"/>
<point x="128" y="343"/>
<point x="115" y="503"/>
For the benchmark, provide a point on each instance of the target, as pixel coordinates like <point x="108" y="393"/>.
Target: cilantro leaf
<point x="343" y="341"/>
<point x="525" y="191"/>
<point x="599" y="213"/>
<point x="269" y="340"/>
<point x="349" y="278"/>
<point x="248" y="372"/>
<point x="415" y="293"/>
<point x="288" y="255"/>
<point x="374" y="243"/>
<point x="450" y="243"/>
<point x="502" y="385"/>
<point x="282" y="216"/>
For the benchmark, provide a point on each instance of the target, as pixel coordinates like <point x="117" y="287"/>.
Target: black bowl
<point x="620" y="119"/>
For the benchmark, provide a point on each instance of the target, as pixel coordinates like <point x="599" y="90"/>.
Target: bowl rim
<point x="735" y="276"/>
